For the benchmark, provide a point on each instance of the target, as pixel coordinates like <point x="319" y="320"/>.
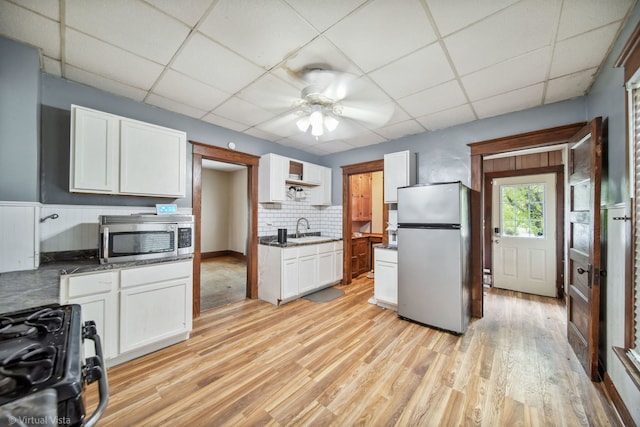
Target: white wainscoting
<point x="19" y="239"/>
<point x="76" y="227"/>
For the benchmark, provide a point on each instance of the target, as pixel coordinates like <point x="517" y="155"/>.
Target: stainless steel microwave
<point x="125" y="238"/>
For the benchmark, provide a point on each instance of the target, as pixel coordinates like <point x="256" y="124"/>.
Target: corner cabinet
<point x="115" y="155"/>
<point x="399" y="171"/>
<point x="137" y="310"/>
<point x="288" y="273"/>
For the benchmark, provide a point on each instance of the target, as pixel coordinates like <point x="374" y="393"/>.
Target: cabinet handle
<point x="581" y="270"/>
<point x="622" y="218"/>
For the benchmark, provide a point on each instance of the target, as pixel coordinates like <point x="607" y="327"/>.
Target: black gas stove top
<point x="41" y="360"/>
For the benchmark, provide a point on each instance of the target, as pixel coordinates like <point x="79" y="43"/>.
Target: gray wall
<point x="19" y="98"/>
<point x="443" y="155"/>
<point x="57" y="97"/>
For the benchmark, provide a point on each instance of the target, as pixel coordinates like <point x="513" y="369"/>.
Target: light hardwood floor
<point x="347" y="362"/>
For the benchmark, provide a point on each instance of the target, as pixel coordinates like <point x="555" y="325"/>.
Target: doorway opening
<point x="223" y="234"/>
<point x="359" y="222"/>
<point x="202" y="153"/>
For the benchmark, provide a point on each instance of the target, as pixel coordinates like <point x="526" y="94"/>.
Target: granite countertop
<point x="273" y="240"/>
<point x="31" y="288"/>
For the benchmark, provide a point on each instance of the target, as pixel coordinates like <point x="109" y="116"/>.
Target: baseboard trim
<point x="216" y="254"/>
<point x="618" y="404"/>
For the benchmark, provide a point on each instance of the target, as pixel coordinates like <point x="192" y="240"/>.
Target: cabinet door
<point x="290" y="278"/>
<point x="272" y="173"/>
<point x="311" y="173"/>
<point x="338" y="269"/>
<point x="386" y="282"/>
<point x="308" y="273"/>
<point x="97" y="294"/>
<point x="396" y="174"/>
<point x="94" y="152"/>
<point x="102" y="309"/>
<point x="326" y="265"/>
<point x="154" y="312"/>
<point x="365" y="197"/>
<point x="321" y="195"/>
<point x="152" y="160"/>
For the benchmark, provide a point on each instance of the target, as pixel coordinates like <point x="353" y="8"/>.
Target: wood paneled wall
<point x="525" y="161"/>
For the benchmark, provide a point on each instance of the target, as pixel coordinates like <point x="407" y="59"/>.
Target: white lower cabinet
<point x="386" y="278"/>
<point x="137" y="310"/>
<point x="285" y="274"/>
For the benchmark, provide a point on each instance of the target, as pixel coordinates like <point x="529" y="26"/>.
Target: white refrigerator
<point x="434" y="285"/>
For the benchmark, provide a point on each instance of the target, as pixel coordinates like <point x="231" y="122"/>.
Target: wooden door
<point x="583" y="296"/>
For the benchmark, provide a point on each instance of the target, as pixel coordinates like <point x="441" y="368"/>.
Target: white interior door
<point x="524" y="234"/>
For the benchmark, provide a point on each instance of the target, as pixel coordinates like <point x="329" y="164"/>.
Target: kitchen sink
<point x="309" y="239"/>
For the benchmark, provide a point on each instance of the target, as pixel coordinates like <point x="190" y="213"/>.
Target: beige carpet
<point x="223" y="280"/>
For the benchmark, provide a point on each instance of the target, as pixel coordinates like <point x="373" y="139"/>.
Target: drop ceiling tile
<point x="402" y="129"/>
<point x="224" y="122"/>
<point x="189" y="12"/>
<point x="243" y="112"/>
<point x="210" y="63"/>
<point x="382" y="31"/>
<point x="507" y="102"/>
<point x="324" y="14"/>
<point x="320" y="53"/>
<point x="333" y="146"/>
<point x="283" y="126"/>
<point x="184" y="89"/>
<point x="366" y="138"/>
<point x="264" y="31"/>
<point x="570" y="86"/>
<point x="581" y="52"/>
<point x="435" y="99"/>
<point x="451" y="16"/>
<point x="50" y="9"/>
<point x="176" y="107"/>
<point x="102" y="83"/>
<point x="420" y="70"/>
<point x="156" y="37"/>
<point x="579" y="16"/>
<point x="506" y="76"/>
<point x="52" y="66"/>
<point x="261" y="134"/>
<point x="526" y="26"/>
<point x="28" y="27"/>
<point x="271" y="94"/>
<point x="448" y="118"/>
<point x="109" y="61"/>
<point x="316" y="151"/>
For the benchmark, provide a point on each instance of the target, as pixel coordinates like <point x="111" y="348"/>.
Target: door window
<point x="522" y="210"/>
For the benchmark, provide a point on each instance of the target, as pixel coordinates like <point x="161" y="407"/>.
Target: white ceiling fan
<point x="335" y="104"/>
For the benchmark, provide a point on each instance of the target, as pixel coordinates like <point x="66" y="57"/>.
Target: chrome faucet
<point x="298" y="225"/>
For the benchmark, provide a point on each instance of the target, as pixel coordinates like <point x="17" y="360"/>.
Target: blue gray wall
<point x="443" y="155"/>
<point x="19" y="121"/>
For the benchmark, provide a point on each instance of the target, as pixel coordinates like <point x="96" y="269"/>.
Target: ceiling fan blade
<point x="371" y="114"/>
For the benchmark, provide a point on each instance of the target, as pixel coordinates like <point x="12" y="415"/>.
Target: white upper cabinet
<point x="277" y="173"/>
<point x="399" y="171"/>
<point x="152" y="160"/>
<point x="115" y="155"/>
<point x="94" y="151"/>
<point x="272" y="172"/>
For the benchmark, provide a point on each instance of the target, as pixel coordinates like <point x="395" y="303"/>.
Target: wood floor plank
<point x="348" y="362"/>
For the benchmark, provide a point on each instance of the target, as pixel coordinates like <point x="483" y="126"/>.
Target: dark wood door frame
<point x="488" y="202"/>
<point x="209" y="152"/>
<point x="347" y="171"/>
<point x="539" y="138"/>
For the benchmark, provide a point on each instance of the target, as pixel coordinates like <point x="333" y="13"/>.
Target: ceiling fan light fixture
<point x="303" y="124"/>
<point x="316" y="119"/>
<point x="330" y="123"/>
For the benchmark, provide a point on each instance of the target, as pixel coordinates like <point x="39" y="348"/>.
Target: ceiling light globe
<point x="330" y="123"/>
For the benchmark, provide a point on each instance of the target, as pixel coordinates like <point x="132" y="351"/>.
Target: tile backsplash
<point x="324" y="219"/>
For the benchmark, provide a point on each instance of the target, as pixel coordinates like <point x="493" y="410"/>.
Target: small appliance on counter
<point x="282" y="235"/>
<point x="392" y="228"/>
<point x="125" y="238"/>
<point x="43" y="373"/>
